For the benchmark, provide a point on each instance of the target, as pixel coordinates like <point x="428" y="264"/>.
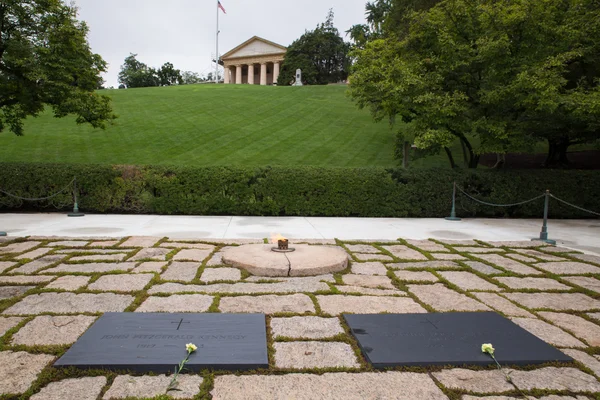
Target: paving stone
<point x="8" y="292"/>
<point x="329" y="386"/>
<point x="509" y="264"/>
<point x="518" y="244"/>
<point x="5" y="265"/>
<point x="316" y="278"/>
<point x="474" y="381"/>
<point x="68" y="303"/>
<point x="91" y="251"/>
<point x="569" y="268"/>
<point x="88" y="388"/>
<point x="454" y="243"/>
<point x="585" y="282"/>
<point x="551" y="397"/>
<point x="181" y="271"/>
<point x="338" y="304"/>
<point x="441" y="298"/>
<point x="595" y="316"/>
<point x="192" y="255"/>
<point x="53" y="330"/>
<point x="305" y="327"/>
<point x="468" y="281"/>
<point x="427" y="245"/>
<point x="540" y="255"/>
<point x="405" y="253"/>
<point x="25" y="279"/>
<point x="362" y="248"/>
<point x="90" y="268"/>
<point x="19" y="369"/>
<point x="235" y="241"/>
<point x="152" y="253"/>
<point x="216" y="259"/>
<point x="270" y="304"/>
<point x="316" y="241"/>
<point x="584" y="358"/>
<point x="425" y="264"/>
<point x="242" y="287"/>
<point x="100" y="257"/>
<point x="548" y="333"/>
<point x="122" y="282"/>
<point x="221" y="274"/>
<point x="69" y="243"/>
<point x="19" y="247"/>
<point x="552" y="378"/>
<point x="587" y="257"/>
<point x="558" y="249"/>
<point x="499" y="303"/>
<point x="150" y="266"/>
<point x="370" y="291"/>
<point x="104" y="243"/>
<point x="520" y="257"/>
<point x="370" y="257"/>
<point x="36" y="265"/>
<point x="303" y="355"/>
<point x="580" y="327"/>
<point x="34" y="253"/>
<point x="8" y="323"/>
<point x="532" y="283"/>
<point x="376" y="282"/>
<point x="483" y="268"/>
<point x="127" y="386"/>
<point x="479" y="250"/>
<point x="369" y="268"/>
<point x="417" y="276"/>
<point x="555" y="301"/>
<point x="140" y="241"/>
<point x="447" y="256"/>
<point x="69" y="282"/>
<point x="177" y="303"/>
<point x="186" y="245"/>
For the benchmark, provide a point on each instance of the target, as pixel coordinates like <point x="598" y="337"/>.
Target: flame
<point x="276" y="237"/>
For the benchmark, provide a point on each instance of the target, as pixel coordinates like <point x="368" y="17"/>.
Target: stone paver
<point x="521" y="257"/>
<point x="532" y="283"/>
<point x="555" y="301"/>
<point x="19" y="369"/>
<point x="150" y="266"/>
<point x="584" y="358"/>
<point x="447" y="256"/>
<point x="509" y="264"/>
<point x="69" y="282"/>
<point x="416" y="276"/>
<point x="454" y="242"/>
<point x="8" y="292"/>
<point x="551" y="397"/>
<point x="7" y="324"/>
<point x="329" y="386"/>
<point x="38" y="264"/>
<point x="127" y="386"/>
<point x="580" y="327"/>
<point x="104" y="243"/>
<point x="34" y="253"/>
<point x="371" y="257"/>
<point x="68" y="303"/>
<point x="88" y="388"/>
<point x="499" y="303"/>
<point x="474" y="381"/>
<point x="216" y="259"/>
<point x="425" y="264"/>
<point x="90" y="268"/>
<point x="585" y="282"/>
<point x="299" y="286"/>
<point x="316" y="260"/>
<point x="121" y="282"/>
<point x="187" y="245"/>
<point x="81" y="251"/>
<point x="569" y="268"/>
<point x="405" y="253"/>
<point x="18" y="247"/>
<point x="221" y="274"/>
<point x="5" y="265"/>
<point x="69" y="243"/>
<point x="548" y="333"/>
<point x="468" y="281"/>
<point x="177" y="303"/>
<point x="552" y="378"/>
<point x="140" y="241"/>
<point x="192" y="255"/>
<point x="306" y="327"/>
<point x="520" y="244"/>
<point x="53" y="330"/>
<point x="483" y="268"/>
<point x="151" y="253"/>
<point x="369" y="291"/>
<point x="100" y="257"/>
<point x="382" y="282"/>
<point x="540" y="255"/>
<point x="270" y="304"/>
<point x="369" y="268"/>
<point x="441" y="298"/>
<point x="479" y="250"/>
<point x="595" y="316"/>
<point x="362" y="248"/>
<point x="181" y="271"/>
<point x="587" y="257"/>
<point x="427" y="245"/>
<point x="25" y="279"/>
<point x="337" y="304"/>
<point x="303" y="355"/>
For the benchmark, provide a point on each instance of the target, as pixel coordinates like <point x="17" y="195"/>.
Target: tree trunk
<point x="557" y="152"/>
<point x="450" y="158"/>
<point x="464" y="152"/>
<point x="405" y="154"/>
<point x="500" y="161"/>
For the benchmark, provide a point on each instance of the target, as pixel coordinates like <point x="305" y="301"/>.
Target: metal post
<point x="2" y="233"/>
<point x="217" y="53"/>
<point x="75" y="212"/>
<point x="452" y="216"/>
<point x="544" y="232"/>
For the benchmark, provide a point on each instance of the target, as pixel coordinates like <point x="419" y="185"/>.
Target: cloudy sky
<point x="183" y="31"/>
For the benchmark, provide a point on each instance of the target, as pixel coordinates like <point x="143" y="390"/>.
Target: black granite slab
<point x="155" y="342"/>
<point x="390" y="340"/>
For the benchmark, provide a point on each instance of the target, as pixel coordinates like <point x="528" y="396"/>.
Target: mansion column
<point x="226" y="72"/>
<point x="263" y="74"/>
<point x="275" y="72"/>
<point x="251" y="74"/>
<point x="238" y="74"/>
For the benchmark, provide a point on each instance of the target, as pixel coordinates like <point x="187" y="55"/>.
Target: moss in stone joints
<point x="8" y="335"/>
<point x="140" y="297"/>
<point x="318" y="310"/>
<point x="214" y="307"/>
<point x="206" y="387"/>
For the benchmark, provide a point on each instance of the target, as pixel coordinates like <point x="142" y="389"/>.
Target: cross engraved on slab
<point x="428" y="321"/>
<point x="180" y="322"/>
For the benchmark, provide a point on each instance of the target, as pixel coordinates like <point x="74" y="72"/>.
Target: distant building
<point x="256" y="61"/>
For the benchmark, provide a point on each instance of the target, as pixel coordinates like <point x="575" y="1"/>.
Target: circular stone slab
<point x="258" y="259"/>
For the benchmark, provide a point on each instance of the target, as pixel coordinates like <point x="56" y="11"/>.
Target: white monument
<point x="298" y="78"/>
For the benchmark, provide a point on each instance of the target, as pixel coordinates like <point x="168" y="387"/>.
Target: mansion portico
<point x="256" y="61"/>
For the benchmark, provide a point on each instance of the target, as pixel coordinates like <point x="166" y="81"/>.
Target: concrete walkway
<point x="582" y="235"/>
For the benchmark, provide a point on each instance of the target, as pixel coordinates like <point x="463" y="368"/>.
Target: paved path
<point x="579" y="234"/>
<point x="52" y="290"/>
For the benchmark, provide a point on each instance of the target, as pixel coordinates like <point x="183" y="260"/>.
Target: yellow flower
<point x="190" y="347"/>
<point x="487" y="348"/>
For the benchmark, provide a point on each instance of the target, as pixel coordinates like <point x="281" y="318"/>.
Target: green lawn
<point x="214" y="125"/>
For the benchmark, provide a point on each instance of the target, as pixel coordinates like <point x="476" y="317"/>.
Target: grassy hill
<point x="214" y="125"/>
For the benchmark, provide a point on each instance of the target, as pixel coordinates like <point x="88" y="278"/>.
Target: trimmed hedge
<point x="298" y="191"/>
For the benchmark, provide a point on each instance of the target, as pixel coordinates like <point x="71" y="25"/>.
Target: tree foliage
<point x="136" y="74"/>
<point x="45" y="59"/>
<point x="168" y="75"/>
<point x="321" y="54"/>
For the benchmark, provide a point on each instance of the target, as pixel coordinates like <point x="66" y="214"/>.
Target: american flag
<point x="221" y="7"/>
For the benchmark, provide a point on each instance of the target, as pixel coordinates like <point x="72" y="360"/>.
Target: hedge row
<point x="298" y="191"/>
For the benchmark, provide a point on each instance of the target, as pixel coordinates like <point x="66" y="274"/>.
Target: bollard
<point x="2" y="233"/>
<point x="452" y="216"/>
<point x="544" y="232"/>
<point x="75" y="212"/>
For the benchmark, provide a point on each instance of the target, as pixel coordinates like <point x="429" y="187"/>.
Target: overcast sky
<point x="183" y="31"/>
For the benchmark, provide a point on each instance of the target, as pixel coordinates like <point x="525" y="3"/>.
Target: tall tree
<point x="135" y="74"/>
<point x="168" y="75"/>
<point x="189" y="78"/>
<point x="45" y="59"/>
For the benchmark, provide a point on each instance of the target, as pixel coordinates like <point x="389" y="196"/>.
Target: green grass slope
<point x="214" y="125"/>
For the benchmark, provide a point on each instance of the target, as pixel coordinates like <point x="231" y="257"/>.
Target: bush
<point x="300" y="191"/>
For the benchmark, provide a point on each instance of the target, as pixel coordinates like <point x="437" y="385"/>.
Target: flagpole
<point x="217" y="53"/>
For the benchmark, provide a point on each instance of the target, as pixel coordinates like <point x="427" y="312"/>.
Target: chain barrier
<point x="499" y="205"/>
<point x="40" y="198"/>
<point x="573" y="205"/>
